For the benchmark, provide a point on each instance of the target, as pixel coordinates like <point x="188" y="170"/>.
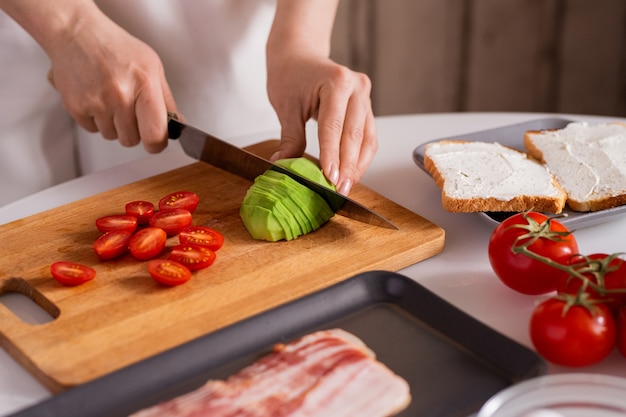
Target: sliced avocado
<point x="306" y="168"/>
<point x="318" y="211"/>
<point x="276" y="190"/>
<point x="270" y="202"/>
<point x="286" y="187"/>
<point x="305" y="199"/>
<point x="276" y="201"/>
<point x="261" y="223"/>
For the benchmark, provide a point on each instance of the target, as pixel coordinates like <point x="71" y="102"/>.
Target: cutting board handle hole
<point x="26" y="303"/>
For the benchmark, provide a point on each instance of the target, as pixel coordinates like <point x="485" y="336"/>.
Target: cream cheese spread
<point x="588" y="160"/>
<point x="489" y="170"/>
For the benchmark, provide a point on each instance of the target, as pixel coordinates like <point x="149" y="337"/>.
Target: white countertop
<point x="461" y="273"/>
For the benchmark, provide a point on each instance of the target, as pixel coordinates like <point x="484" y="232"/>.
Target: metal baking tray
<point x="513" y="136"/>
<point x="452" y="362"/>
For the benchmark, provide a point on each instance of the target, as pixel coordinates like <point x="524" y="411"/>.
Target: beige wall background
<point x="487" y="55"/>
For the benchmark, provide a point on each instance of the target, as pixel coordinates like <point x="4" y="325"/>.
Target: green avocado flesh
<point x="277" y="207"/>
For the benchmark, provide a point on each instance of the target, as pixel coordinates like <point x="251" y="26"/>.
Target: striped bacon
<point x="326" y="373"/>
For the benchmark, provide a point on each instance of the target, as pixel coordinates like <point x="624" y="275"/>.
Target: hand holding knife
<point x="207" y="148"/>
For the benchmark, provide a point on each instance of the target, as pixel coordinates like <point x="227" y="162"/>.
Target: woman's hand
<point x="109" y="81"/>
<point x="303" y="83"/>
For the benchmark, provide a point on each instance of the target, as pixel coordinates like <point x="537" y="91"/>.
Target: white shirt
<point x="213" y="52"/>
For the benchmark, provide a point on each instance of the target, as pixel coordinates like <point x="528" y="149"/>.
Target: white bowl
<point x="560" y="395"/>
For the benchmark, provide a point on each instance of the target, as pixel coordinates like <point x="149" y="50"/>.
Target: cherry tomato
<point x="168" y="272"/>
<point x="203" y="236"/>
<point x="112" y="244"/>
<point x="147" y="243"/>
<point x="116" y="222"/>
<point x="180" y="199"/>
<point x="575" y="336"/>
<point x="172" y="221"/>
<point x="621" y="330"/>
<point x="517" y="270"/>
<point x="140" y="209"/>
<point x="606" y="275"/>
<point x="193" y="257"/>
<point x="71" y="273"/>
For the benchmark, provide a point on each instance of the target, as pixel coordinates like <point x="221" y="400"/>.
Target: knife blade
<point x="207" y="148"/>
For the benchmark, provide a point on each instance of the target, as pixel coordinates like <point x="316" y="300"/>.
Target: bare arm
<point x="304" y="83"/>
<point x="109" y="81"/>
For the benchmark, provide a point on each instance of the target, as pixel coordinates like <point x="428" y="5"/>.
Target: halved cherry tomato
<point x="203" y="236"/>
<point x="140" y="209"/>
<point x="180" y="199"/>
<point x="172" y="221"/>
<point x="572" y="334"/>
<point x="112" y="244"/>
<point x="116" y="222"/>
<point x="194" y="257"/>
<point x="147" y="243"/>
<point x="168" y="272"/>
<point x="71" y="273"/>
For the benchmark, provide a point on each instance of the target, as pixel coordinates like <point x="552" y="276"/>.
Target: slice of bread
<point x="481" y="176"/>
<point x="588" y="160"/>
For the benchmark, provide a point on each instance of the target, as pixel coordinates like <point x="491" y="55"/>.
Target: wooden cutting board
<point x="123" y="316"/>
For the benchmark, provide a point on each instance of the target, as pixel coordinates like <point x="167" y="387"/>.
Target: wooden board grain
<point x="123" y="316"/>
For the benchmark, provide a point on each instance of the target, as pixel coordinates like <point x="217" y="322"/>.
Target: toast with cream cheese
<point x="588" y="160"/>
<point x="481" y="176"/>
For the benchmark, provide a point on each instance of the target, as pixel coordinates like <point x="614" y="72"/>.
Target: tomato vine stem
<point x="597" y="267"/>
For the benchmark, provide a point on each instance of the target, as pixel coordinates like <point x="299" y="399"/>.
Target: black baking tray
<point x="452" y="362"/>
<point x="513" y="136"/>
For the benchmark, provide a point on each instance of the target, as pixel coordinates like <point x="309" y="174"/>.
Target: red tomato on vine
<point x="516" y="244"/>
<point x="570" y="332"/>
<point x="621" y="330"/>
<point x="600" y="275"/>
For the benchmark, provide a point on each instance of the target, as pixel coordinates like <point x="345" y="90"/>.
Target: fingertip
<point x="155" y="147"/>
<point x="290" y="147"/>
<point x="345" y="186"/>
<point x="86" y="122"/>
<point x="332" y="173"/>
<point x="151" y="110"/>
<point x="153" y="131"/>
<point x="276" y="156"/>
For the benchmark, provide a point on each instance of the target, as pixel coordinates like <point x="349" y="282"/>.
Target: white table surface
<point x="461" y="273"/>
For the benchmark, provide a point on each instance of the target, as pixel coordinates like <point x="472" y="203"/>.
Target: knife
<point x="207" y="148"/>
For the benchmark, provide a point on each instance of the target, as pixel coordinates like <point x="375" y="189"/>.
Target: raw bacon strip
<point x="326" y="373"/>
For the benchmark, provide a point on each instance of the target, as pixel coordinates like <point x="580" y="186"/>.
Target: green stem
<point x="599" y="268"/>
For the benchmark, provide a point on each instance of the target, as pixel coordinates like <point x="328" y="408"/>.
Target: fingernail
<point x="275" y="157"/>
<point x="333" y="176"/>
<point x="345" y="187"/>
